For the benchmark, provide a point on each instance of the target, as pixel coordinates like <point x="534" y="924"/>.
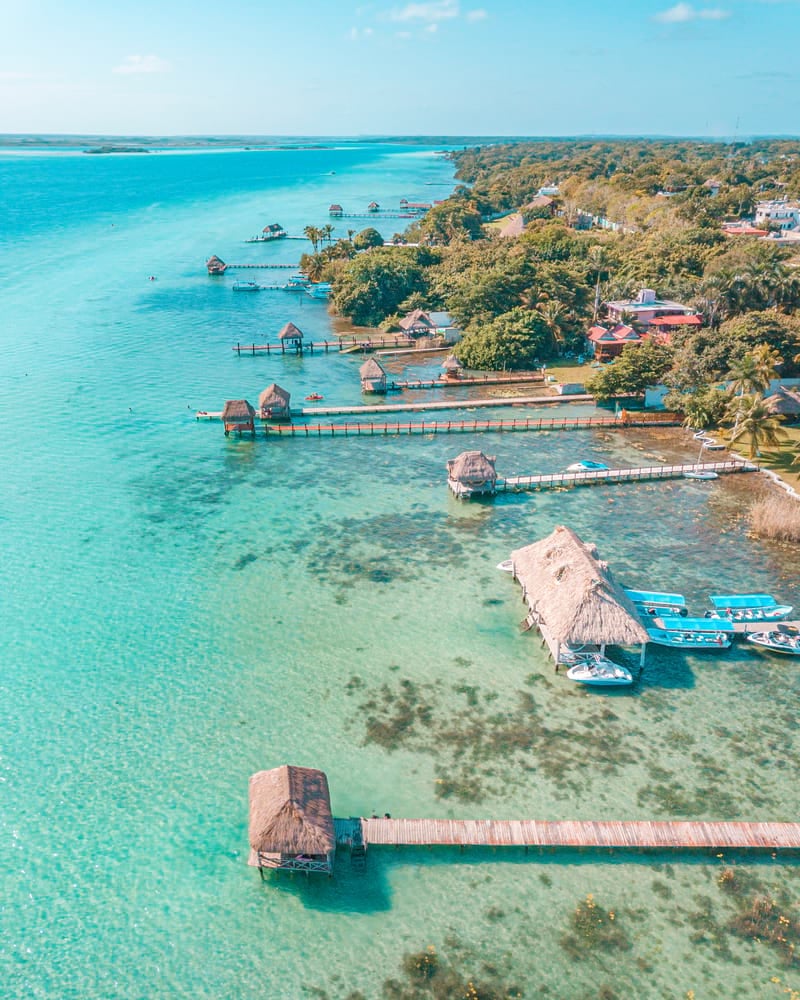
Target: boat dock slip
<point x="625" y="834"/>
<point x="558" y="479"/>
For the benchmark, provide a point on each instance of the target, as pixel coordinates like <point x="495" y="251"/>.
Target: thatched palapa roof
<point x="472" y="467"/>
<point x="371" y="369"/>
<point x="237" y="410"/>
<point x="290" y="812"/>
<point x="418" y="317"/>
<point x="273" y="395"/>
<point x="452" y="364"/>
<point x="290" y="332"/>
<point x="783" y="402"/>
<point x="572" y="590"/>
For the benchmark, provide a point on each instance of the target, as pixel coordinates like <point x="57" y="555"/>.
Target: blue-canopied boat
<point x="246" y="286"/>
<point x="652" y="602"/>
<point x="320" y="290"/>
<point x="747" y="608"/>
<point x="691" y="633"/>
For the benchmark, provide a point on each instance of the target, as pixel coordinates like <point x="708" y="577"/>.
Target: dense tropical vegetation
<point x="524" y="299"/>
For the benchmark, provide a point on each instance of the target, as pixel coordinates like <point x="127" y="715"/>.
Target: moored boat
<point x="785" y="641"/>
<point x="587" y="466"/>
<point x="651" y="602"/>
<point x="507" y="566"/>
<point x="246" y="286"/>
<point x="691" y="633"/>
<point x="708" y="474"/>
<point x="747" y="608"/>
<point x="320" y="290"/>
<point x="598" y="671"/>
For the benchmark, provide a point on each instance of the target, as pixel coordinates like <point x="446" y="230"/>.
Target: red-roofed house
<point x="607" y="344"/>
<point x="743" y="229"/>
<point x="664" y="326"/>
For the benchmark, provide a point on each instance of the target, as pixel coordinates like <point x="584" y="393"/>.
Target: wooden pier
<point x="341" y="346"/>
<point x="262" y="267"/>
<point x="385" y="429"/>
<point x="549" y="481"/>
<point x="450" y="383"/>
<point x="691" y="835"/>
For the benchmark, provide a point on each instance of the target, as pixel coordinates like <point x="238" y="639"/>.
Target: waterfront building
<point x="273" y="403"/>
<point x="238" y="415"/>
<point x="472" y="473"/>
<point x="373" y="377"/>
<point x="645" y="307"/>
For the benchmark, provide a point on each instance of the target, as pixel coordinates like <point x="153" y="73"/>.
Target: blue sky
<point x="309" y="67"/>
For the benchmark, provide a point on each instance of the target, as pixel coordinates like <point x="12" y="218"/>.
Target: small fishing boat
<point x="586" y="466"/>
<point x="651" y="603"/>
<point x="246" y="286"/>
<point x="297" y="282"/>
<point x="786" y="641"/>
<point x="704" y="476"/>
<point x="321" y="290"/>
<point x="747" y="608"/>
<point x="598" y="671"/>
<point x="691" y="633"/>
<point x="314" y="397"/>
<point x="507" y="566"/>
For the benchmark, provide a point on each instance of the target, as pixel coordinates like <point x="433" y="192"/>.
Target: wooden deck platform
<point x="323" y="346"/>
<point x="624" y="834"/>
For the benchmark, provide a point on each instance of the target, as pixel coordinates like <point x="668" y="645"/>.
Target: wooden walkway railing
<point x="627" y="834"/>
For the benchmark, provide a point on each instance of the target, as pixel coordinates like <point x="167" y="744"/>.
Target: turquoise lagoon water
<point x="180" y="609"/>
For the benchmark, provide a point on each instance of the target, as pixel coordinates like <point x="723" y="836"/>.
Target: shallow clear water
<point x="180" y="609"/>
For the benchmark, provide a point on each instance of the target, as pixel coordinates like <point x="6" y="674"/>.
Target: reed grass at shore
<point x="776" y="518"/>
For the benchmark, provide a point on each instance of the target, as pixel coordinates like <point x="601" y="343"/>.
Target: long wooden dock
<point x="261" y="267"/>
<point x="385" y="429"/>
<point x="453" y="383"/>
<point x="548" y="481"/>
<point x="340" y="346"/>
<point x="623" y="834"/>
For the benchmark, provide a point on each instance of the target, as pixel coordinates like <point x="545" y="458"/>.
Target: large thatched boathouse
<point x="291" y="825"/>
<point x="470" y="474"/>
<point x="238" y="415"/>
<point x="216" y="265"/>
<point x="291" y="335"/>
<point x="273" y="403"/>
<point x="373" y="377"/>
<point x="572" y="596"/>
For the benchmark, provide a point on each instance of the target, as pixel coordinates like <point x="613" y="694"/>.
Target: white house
<point x="646" y="307"/>
<point x="782" y="212"/>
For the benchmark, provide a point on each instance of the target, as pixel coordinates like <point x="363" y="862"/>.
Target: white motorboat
<point x="708" y="474"/>
<point x="507" y="565"/>
<point x="650" y="603"/>
<point x="598" y="671"/>
<point x="691" y="633"/>
<point x="246" y="286"/>
<point x="777" y="641"/>
<point x="587" y="466"/>
<point x="747" y="608"/>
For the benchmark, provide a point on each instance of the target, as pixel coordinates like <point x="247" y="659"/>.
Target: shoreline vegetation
<point x="600" y="220"/>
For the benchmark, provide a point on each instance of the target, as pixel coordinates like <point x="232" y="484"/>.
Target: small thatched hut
<point x="784" y="403"/>
<point x="452" y="367"/>
<point x="291" y="335"/>
<point x="471" y="474"/>
<point x="336" y="211"/>
<point x="373" y="207"/>
<point x="273" y="403"/>
<point x="417" y="323"/>
<point x="373" y="377"/>
<point x="216" y="265"/>
<point x="291" y="825"/>
<point x="238" y="415"/>
<point x="572" y="595"/>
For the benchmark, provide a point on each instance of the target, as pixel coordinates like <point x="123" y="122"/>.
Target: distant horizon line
<point x="373" y="136"/>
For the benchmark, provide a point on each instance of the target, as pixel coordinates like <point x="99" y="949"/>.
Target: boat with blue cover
<point x="747" y="608"/>
<point x="652" y="602"/>
<point x="691" y="633"/>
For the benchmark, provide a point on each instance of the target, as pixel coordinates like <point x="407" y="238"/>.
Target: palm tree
<point x="327" y="232"/>
<point x="745" y="376"/>
<point x="598" y="258"/>
<point x="314" y="267"/>
<point x="766" y="360"/>
<point x="313" y="235"/>
<point x="754" y="424"/>
<point x="553" y="315"/>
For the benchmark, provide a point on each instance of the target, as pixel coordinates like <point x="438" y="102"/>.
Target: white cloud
<point x="432" y="28"/>
<point x="434" y="11"/>
<point x="477" y="15"/>
<point x="682" y="13"/>
<point x="143" y="64"/>
<point x="403" y="35"/>
<point x="358" y="33"/>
